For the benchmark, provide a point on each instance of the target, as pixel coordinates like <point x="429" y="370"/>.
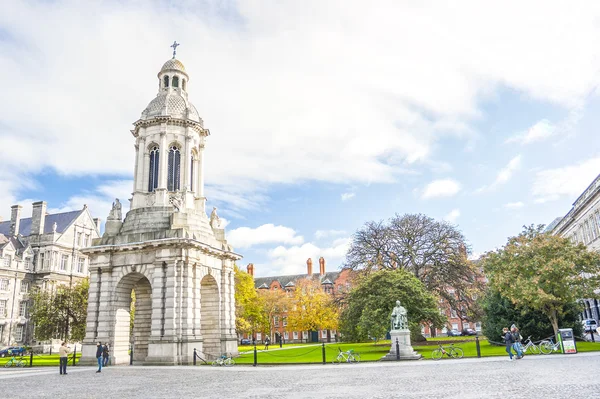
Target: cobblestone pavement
<point x="553" y="376"/>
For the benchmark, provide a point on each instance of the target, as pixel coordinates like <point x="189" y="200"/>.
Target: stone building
<point x="43" y="251"/>
<point x="582" y="225"/>
<point x="167" y="250"/>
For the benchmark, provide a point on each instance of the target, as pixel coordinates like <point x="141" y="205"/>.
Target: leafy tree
<point x="61" y="313"/>
<point x="272" y="303"/>
<point x="370" y="304"/>
<point x="310" y="308"/>
<point x="249" y="312"/>
<point x="501" y="312"/>
<point x="434" y="252"/>
<point x="543" y="272"/>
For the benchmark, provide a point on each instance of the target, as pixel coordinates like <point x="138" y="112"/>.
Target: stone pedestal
<point x="406" y="350"/>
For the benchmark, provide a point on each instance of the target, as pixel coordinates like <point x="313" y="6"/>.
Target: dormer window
<point x="166" y="80"/>
<point x="175" y="81"/>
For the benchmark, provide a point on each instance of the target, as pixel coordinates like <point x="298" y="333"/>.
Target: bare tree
<point x="435" y="252"/>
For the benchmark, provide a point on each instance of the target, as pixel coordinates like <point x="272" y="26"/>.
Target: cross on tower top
<point x="174" y="45"/>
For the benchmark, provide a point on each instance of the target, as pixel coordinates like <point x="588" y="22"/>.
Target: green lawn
<point x="260" y="346"/>
<point x="41" y="360"/>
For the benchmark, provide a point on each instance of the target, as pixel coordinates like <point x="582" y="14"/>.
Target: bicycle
<point x="346" y="357"/>
<point x="13" y="362"/>
<point x="530" y="346"/>
<point x="224" y="360"/>
<point x="548" y="346"/>
<point x="450" y="351"/>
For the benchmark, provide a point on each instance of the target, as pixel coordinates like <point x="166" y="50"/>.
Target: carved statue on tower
<point x="215" y="222"/>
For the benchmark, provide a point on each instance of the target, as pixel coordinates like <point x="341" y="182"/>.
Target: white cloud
<point x="246" y="237"/>
<point x="504" y="175"/>
<point x="347" y="196"/>
<point x="441" y="188"/>
<point x="452" y="216"/>
<point x="542" y="130"/>
<point x="570" y="180"/>
<point x="319" y="234"/>
<point x="266" y="64"/>
<point x="514" y="205"/>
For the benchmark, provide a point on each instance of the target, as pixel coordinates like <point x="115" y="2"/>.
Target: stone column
<point x="140" y="165"/>
<point x="163" y="161"/>
<point x="200" y="175"/>
<point x="185" y="161"/>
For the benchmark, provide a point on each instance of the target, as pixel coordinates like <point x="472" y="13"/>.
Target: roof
<point x="553" y="224"/>
<point x="173" y="104"/>
<point x="173" y="65"/>
<point x="62" y="220"/>
<point x="289" y="281"/>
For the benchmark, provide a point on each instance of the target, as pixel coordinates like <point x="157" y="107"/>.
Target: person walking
<point x="105" y="355"/>
<point x="267" y="342"/>
<point x="63" y="353"/>
<point x="516" y="341"/>
<point x="509" y="341"/>
<point x="99" y="350"/>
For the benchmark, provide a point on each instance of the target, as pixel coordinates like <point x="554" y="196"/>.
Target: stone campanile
<point x="167" y="250"/>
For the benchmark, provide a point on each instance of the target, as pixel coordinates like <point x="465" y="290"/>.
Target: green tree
<point x="501" y="312"/>
<point x="272" y="303"/>
<point x="310" y="308"/>
<point x="60" y="313"/>
<point x="543" y="272"/>
<point x="249" y="312"/>
<point x="370" y="304"/>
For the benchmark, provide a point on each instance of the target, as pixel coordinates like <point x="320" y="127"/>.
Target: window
<point x="19" y="333"/>
<point x="63" y="262"/>
<point x="443" y="312"/>
<point x="23" y="309"/>
<point x="87" y="240"/>
<point x="3" y="284"/>
<point x="173" y="171"/>
<point x="286" y="336"/>
<point x="453" y="314"/>
<point x="7" y="261"/>
<point x="153" y="173"/>
<point x="175" y="81"/>
<point x="166" y="80"/>
<point x="477" y="326"/>
<point x="284" y="321"/>
<point x="466" y="325"/>
<point x="304" y="334"/>
<point x="27" y="263"/>
<point x="258" y="336"/>
<point x="79" y="239"/>
<point x="276" y="321"/>
<point x="3" y="308"/>
<point x="323" y="333"/>
<point x="80" y="264"/>
<point x="295" y="334"/>
<point x="191" y="170"/>
<point x="455" y="326"/>
<point x="41" y="265"/>
<point x="24" y="287"/>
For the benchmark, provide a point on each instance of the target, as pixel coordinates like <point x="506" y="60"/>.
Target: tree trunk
<point x="554" y="321"/>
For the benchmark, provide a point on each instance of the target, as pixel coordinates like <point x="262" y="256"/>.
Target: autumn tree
<point x="60" y="313"/>
<point x="272" y="303"/>
<point x="543" y="272"/>
<point x="370" y="304"/>
<point x="434" y="252"/>
<point x="311" y="308"/>
<point x="249" y="312"/>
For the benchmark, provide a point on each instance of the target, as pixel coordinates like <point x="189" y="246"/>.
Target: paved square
<point x="554" y="376"/>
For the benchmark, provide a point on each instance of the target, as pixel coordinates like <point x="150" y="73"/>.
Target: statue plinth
<point x="405" y="348"/>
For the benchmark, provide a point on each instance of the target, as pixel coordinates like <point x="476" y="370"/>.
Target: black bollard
<point x="255" y="356"/>
<point x="477" y="346"/>
<point x="31" y="359"/>
<point x="592" y="334"/>
<point x="194" y="356"/>
<point x="74" y="355"/>
<point x="131" y="356"/>
<point x="51" y="351"/>
<point x="324" y="360"/>
<point x="397" y="349"/>
<point x="280" y="342"/>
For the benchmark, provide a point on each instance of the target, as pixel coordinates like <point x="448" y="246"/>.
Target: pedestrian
<point x="63" y="353"/>
<point x="99" y="350"/>
<point x="267" y="342"/>
<point x="516" y="341"/>
<point x="508" y="340"/>
<point x="105" y="355"/>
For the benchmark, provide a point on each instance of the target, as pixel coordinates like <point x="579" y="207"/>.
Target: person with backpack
<point x="99" y="350"/>
<point x="105" y="355"/>
<point x="509" y="341"/>
<point x="516" y="341"/>
<point x="267" y="342"/>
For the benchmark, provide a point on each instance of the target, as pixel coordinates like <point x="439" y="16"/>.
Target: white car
<point x="589" y="325"/>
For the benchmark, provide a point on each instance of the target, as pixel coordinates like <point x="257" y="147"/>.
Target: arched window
<point x="183" y="84"/>
<point x="153" y="176"/>
<point x="175" y="81"/>
<point x="166" y="80"/>
<point x="191" y="171"/>
<point x="173" y="176"/>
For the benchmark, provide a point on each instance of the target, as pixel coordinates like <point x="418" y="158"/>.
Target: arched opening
<point x="166" y="81"/>
<point x="175" y="81"/>
<point x="153" y="175"/>
<point x="192" y="158"/>
<point x="183" y="84"/>
<point x="173" y="181"/>
<point x="210" y="327"/>
<point x="133" y="318"/>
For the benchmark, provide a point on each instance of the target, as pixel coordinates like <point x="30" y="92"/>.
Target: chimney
<point x="250" y="269"/>
<point x="322" y="266"/>
<point x="15" y="219"/>
<point x="38" y="217"/>
<point x="97" y="223"/>
<point x="309" y="266"/>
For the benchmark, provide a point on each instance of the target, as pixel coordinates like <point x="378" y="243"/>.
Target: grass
<point x="40" y="360"/>
<point x="260" y="346"/>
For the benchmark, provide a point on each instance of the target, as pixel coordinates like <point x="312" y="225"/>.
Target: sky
<point x="324" y="115"/>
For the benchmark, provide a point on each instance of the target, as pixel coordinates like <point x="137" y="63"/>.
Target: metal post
<point x="477" y="346"/>
<point x="50" y="350"/>
<point x="397" y="349"/>
<point x="74" y="355"/>
<point x="324" y="360"/>
<point x="592" y="334"/>
<point x="195" y="356"/>
<point x="280" y="341"/>
<point x="255" y="356"/>
<point x="31" y="359"/>
<point x="131" y="356"/>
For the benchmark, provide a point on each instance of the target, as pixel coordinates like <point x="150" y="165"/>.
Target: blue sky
<point x="321" y="118"/>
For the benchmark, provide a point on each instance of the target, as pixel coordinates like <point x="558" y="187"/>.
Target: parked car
<point x="454" y="333"/>
<point x="15" y="350"/>
<point x="589" y="325"/>
<point x="245" y="341"/>
<point x="469" y="331"/>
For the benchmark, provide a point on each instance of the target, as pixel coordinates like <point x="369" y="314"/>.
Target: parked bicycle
<point x="14" y="362"/>
<point x="347" y="357"/>
<point x="224" y="360"/>
<point x="450" y="351"/>
<point x="548" y="346"/>
<point x="531" y="347"/>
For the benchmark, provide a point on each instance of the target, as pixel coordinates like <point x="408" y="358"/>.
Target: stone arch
<point x="142" y="325"/>
<point x="210" y="326"/>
